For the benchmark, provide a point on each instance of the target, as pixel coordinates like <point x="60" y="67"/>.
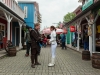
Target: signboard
<point x="87" y="4"/>
<point x="72" y="28"/>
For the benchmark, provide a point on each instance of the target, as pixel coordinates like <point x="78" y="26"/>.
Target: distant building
<point x="31" y="11"/>
<point x="78" y="10"/>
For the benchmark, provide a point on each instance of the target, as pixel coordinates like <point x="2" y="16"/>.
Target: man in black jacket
<point x="35" y="39"/>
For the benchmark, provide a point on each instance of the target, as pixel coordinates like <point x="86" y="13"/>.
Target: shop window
<point x="2" y="28"/>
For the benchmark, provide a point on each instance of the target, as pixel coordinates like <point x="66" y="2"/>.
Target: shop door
<point x="16" y="36"/>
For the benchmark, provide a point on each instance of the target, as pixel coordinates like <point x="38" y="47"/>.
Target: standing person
<point x="58" y="39"/>
<point x="76" y="36"/>
<point x="63" y="41"/>
<point x="86" y="41"/>
<point x="1" y="38"/>
<point x="28" y="41"/>
<point x="53" y="45"/>
<point x="35" y="39"/>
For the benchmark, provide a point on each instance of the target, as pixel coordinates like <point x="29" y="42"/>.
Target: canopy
<point x="58" y="31"/>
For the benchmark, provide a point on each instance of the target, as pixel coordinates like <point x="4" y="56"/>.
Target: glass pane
<point x="3" y="33"/>
<point x="2" y="27"/>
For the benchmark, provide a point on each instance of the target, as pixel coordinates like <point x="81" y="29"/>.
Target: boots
<point x="36" y="60"/>
<point x="52" y="63"/>
<point x="32" y="61"/>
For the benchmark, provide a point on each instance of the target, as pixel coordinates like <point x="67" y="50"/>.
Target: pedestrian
<point x="35" y="46"/>
<point x="86" y="41"/>
<point x="28" y="41"/>
<point x="58" y="39"/>
<point x="63" y="41"/>
<point x="76" y="36"/>
<point x="1" y="39"/>
<point x="53" y="45"/>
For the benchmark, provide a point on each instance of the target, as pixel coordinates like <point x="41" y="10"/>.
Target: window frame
<point x="1" y="24"/>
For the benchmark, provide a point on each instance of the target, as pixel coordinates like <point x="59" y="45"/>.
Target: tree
<point x="58" y="24"/>
<point x="68" y="17"/>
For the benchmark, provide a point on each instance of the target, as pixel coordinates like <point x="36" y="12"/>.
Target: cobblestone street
<point x="68" y="62"/>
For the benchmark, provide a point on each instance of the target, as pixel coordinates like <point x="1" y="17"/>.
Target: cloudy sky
<point x="53" y="11"/>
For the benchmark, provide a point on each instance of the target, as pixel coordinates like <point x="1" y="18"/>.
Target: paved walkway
<point x="68" y="62"/>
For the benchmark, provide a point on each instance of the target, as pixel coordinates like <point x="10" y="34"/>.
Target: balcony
<point x="12" y="5"/>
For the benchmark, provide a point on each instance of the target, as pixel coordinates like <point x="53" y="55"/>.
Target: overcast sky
<point x="53" y="11"/>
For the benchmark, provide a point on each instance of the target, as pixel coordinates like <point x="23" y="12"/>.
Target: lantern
<point x="72" y="28"/>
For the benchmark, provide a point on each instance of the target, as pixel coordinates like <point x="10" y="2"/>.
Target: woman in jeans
<point x="53" y="45"/>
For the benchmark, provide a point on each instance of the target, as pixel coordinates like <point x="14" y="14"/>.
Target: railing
<point x="13" y="5"/>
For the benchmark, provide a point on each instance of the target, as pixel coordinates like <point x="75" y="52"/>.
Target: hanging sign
<point x="89" y="30"/>
<point x="72" y="28"/>
<point x="98" y="29"/>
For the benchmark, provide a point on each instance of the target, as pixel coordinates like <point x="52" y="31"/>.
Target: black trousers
<point x="63" y="45"/>
<point x="34" y="55"/>
<point x="28" y="48"/>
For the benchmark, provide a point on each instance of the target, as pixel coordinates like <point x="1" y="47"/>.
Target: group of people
<point x="34" y="43"/>
<point x="83" y="39"/>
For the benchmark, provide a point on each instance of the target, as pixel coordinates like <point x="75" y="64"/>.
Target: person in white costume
<point x="53" y="45"/>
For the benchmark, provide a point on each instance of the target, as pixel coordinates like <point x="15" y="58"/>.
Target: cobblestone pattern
<point x="68" y="62"/>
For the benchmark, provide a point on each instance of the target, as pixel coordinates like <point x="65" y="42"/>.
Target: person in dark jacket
<point x="76" y="36"/>
<point x="86" y="41"/>
<point x="35" y="39"/>
<point x="28" y="41"/>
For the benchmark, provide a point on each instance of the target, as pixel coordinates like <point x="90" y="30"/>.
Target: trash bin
<point x="96" y="60"/>
<point x="85" y="55"/>
<point x="12" y="51"/>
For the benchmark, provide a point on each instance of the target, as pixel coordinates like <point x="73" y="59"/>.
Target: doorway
<point x="17" y="36"/>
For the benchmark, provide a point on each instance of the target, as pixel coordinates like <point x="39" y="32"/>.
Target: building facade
<point x="31" y="11"/>
<point x="89" y="17"/>
<point x="11" y="21"/>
